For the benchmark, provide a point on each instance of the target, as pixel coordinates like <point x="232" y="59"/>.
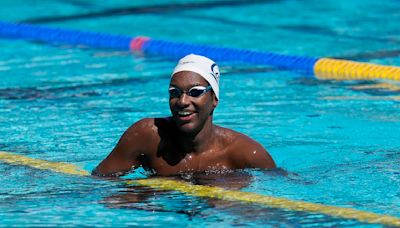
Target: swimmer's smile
<point x="186" y="116"/>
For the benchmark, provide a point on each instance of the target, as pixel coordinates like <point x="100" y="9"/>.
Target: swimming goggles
<point x="195" y="91"/>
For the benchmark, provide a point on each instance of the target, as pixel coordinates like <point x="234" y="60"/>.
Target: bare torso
<point x="156" y="144"/>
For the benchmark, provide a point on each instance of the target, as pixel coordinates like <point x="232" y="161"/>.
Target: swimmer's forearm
<point x="116" y="164"/>
<point x="96" y="172"/>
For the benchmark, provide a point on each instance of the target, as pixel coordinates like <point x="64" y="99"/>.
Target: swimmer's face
<point x="191" y="113"/>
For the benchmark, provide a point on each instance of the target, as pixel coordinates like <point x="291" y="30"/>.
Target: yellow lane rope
<point x="214" y="192"/>
<point x="326" y="68"/>
<point x="281" y="203"/>
<point x="60" y="167"/>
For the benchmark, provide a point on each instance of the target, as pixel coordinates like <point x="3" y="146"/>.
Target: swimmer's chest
<point x="169" y="163"/>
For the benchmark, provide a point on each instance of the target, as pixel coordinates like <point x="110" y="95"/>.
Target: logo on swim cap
<point x="185" y="62"/>
<point x="215" y="72"/>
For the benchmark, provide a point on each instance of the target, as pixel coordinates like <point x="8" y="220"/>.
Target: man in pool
<point x="188" y="141"/>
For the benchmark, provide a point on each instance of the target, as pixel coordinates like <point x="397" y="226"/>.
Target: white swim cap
<point x="203" y="66"/>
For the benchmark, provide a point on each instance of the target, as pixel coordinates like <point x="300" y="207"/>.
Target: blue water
<point x="339" y="141"/>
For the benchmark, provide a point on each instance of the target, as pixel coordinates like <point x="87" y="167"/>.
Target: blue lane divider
<point x="152" y="46"/>
<point x="56" y="35"/>
<point x="177" y="50"/>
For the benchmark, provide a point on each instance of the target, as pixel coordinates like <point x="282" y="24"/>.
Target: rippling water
<point x="338" y="141"/>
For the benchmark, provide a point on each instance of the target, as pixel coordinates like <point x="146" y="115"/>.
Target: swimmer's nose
<point x="184" y="100"/>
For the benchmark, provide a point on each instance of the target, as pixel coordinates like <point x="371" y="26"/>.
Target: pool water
<point x="339" y="141"/>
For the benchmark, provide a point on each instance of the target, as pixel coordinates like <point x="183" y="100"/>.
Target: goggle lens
<point x="195" y="91"/>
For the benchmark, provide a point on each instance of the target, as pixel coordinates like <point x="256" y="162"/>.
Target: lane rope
<point x="326" y="68"/>
<point x="213" y="192"/>
<point x="60" y="167"/>
<point x="320" y="68"/>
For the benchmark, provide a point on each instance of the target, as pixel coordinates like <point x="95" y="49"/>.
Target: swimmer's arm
<point x="124" y="156"/>
<point x="251" y="154"/>
<point x="260" y="158"/>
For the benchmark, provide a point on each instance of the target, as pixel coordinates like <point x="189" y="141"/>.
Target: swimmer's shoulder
<point x="244" y="151"/>
<point x="233" y="138"/>
<point x="150" y="125"/>
<point x="144" y="133"/>
<point x="142" y="127"/>
<point x="150" y="130"/>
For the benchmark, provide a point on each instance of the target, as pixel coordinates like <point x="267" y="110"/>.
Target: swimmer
<point x="187" y="141"/>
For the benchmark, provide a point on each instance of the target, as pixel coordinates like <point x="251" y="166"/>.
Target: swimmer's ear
<point x="215" y="101"/>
